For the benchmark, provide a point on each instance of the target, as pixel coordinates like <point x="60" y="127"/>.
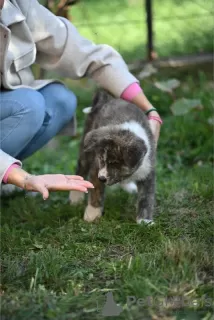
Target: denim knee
<point x="68" y="101"/>
<point x="33" y="110"/>
<point x="24" y="119"/>
<point x="65" y="99"/>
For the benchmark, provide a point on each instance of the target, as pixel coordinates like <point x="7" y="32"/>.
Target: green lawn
<point x="55" y="266"/>
<point x="180" y="27"/>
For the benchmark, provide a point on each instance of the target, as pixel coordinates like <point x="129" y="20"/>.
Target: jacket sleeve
<point x="5" y="162"/>
<point x="61" y="48"/>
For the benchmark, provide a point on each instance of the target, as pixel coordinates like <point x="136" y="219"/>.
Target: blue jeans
<point x="29" y="118"/>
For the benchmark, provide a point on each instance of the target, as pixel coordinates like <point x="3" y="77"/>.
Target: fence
<point x="141" y="29"/>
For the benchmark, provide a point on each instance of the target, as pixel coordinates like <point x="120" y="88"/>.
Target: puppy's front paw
<point x="76" y="197"/>
<point x="146" y="221"/>
<point x="92" y="213"/>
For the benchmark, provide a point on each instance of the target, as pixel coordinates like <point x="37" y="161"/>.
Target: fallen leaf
<point x="38" y="246"/>
<point x="167" y="86"/>
<point x="211" y="121"/>
<point x="183" y="106"/>
<point x="147" y="71"/>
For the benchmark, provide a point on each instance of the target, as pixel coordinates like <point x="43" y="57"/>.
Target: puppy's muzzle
<point x="102" y="178"/>
<point x="102" y="175"/>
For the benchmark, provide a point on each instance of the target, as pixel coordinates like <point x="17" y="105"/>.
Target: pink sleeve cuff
<point x="14" y="165"/>
<point x="131" y="92"/>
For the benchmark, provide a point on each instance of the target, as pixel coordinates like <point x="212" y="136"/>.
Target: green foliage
<point x="180" y="27"/>
<point x="180" y="106"/>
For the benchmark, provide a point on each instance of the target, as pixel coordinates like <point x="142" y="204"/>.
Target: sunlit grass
<point x="180" y="27"/>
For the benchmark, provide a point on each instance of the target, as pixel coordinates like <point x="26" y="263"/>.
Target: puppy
<point x="117" y="146"/>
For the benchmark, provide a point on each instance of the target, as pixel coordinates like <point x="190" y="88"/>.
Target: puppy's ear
<point x="98" y="137"/>
<point x="134" y="152"/>
<point x="91" y="140"/>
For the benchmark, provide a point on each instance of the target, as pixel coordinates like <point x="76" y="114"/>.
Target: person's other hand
<point x="143" y="103"/>
<point x="155" y="127"/>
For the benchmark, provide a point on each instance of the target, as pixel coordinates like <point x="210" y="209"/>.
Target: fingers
<point x="84" y="183"/>
<point x="77" y="187"/>
<point x="155" y="127"/>
<point x="80" y="185"/>
<point x="74" y="177"/>
<point x="69" y="185"/>
<point x="43" y="190"/>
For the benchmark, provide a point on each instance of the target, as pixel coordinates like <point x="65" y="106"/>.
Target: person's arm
<point x="14" y="174"/>
<point x="6" y="161"/>
<point x="61" y="48"/>
<point x="47" y="182"/>
<point x="154" y="119"/>
<point x="135" y="94"/>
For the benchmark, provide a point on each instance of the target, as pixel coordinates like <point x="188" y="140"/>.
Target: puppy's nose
<point x="102" y="178"/>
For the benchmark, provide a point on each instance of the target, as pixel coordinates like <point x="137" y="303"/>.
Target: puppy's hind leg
<point x="146" y="199"/>
<point x="95" y="205"/>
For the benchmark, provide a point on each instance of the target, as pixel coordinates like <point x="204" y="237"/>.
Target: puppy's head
<point x="117" y="153"/>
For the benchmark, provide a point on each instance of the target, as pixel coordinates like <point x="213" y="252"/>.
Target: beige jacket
<point x="29" y="34"/>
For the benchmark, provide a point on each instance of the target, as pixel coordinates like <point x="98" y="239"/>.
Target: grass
<point x="55" y="266"/>
<point x="180" y="27"/>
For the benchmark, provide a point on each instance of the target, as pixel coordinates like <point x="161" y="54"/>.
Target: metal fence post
<point x="149" y="21"/>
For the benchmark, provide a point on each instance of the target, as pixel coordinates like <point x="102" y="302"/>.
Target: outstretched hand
<point x="47" y="182"/>
<point x="55" y="182"/>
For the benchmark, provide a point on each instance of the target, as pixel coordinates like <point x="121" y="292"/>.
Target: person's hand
<point x="55" y="182"/>
<point x="155" y="126"/>
<point x="47" y="182"/>
<point x="143" y="103"/>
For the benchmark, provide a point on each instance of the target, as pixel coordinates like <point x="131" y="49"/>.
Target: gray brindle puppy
<point x="117" y="146"/>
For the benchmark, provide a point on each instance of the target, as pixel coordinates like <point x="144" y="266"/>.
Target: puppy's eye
<point x="113" y="162"/>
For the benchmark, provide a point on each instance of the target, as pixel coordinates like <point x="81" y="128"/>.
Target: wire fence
<point x="146" y="29"/>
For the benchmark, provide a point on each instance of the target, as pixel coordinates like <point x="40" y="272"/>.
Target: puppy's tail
<point x="87" y="110"/>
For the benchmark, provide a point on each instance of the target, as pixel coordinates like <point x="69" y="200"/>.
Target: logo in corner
<point x="110" y="307"/>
